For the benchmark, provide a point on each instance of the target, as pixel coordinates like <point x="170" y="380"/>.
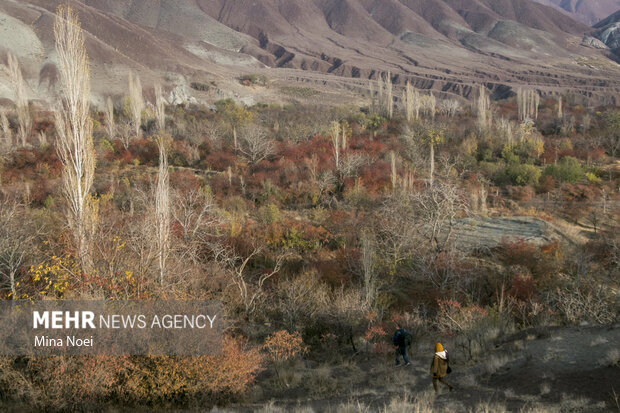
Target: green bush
<point x="567" y="170"/>
<point x="512" y="174"/>
<point x="523" y="174"/>
<point x="268" y="214"/>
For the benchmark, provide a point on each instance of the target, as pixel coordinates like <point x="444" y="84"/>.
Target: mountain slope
<point x="608" y="31"/>
<point x="449" y="46"/>
<point x="586" y="11"/>
<point x="437" y="44"/>
<point x="116" y="45"/>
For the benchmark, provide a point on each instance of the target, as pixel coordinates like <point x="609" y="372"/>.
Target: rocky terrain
<point x="200" y="48"/>
<point x="608" y="31"/>
<point x="489" y="233"/>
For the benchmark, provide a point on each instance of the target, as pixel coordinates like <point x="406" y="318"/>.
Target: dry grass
<point x="611" y="358"/>
<point x="466" y="381"/>
<point x="598" y="340"/>
<point x="570" y="404"/>
<point x="321" y="383"/>
<point x="422" y="403"/>
<point x="494" y="363"/>
<point x="352" y="407"/>
<point x="272" y="408"/>
<point x="290" y="375"/>
<point x="509" y="394"/>
<point x="489" y="407"/>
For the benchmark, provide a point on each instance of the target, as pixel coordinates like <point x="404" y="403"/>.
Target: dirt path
<point x="555" y="369"/>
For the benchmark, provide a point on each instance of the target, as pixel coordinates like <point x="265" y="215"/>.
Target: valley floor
<point x="543" y="370"/>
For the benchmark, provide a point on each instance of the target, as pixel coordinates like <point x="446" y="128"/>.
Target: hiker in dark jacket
<point x="401" y="339"/>
<point x="439" y="366"/>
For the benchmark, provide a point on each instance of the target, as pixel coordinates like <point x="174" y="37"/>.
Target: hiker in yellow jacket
<point x="440" y="366"/>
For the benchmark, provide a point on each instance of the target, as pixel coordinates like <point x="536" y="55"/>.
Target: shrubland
<point x="317" y="227"/>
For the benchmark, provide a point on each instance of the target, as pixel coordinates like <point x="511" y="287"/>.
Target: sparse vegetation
<point x="299" y="92"/>
<point x="319" y="228"/>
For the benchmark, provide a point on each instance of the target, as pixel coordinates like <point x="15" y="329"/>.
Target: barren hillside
<point x="586" y="11"/>
<point x="447" y="46"/>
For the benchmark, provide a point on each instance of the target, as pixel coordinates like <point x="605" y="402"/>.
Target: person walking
<point x="402" y="339"/>
<point x="440" y="367"/>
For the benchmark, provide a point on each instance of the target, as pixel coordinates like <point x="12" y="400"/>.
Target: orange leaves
<point x="282" y="345"/>
<point x="375" y="333"/>
<point x="453" y="316"/>
<point x="71" y="383"/>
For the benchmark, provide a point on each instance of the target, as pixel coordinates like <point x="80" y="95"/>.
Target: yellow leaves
<point x="235" y="228"/>
<point x="120" y="244"/>
<point x="433" y="136"/>
<point x="51" y="276"/>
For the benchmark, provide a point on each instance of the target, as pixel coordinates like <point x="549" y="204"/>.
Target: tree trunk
<point x="432" y="167"/>
<point x="352" y="342"/>
<point x="12" y="281"/>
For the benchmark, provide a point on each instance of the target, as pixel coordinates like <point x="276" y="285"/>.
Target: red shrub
<point x="546" y="184"/>
<point x="520" y="193"/>
<point x="145" y="150"/>
<point x="580" y="192"/>
<point x="184" y="181"/>
<point x="522" y="287"/>
<point x="218" y="161"/>
<point x="519" y="252"/>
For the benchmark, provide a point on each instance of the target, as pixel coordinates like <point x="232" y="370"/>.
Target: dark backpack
<point x="408" y="337"/>
<point x="403" y="337"/>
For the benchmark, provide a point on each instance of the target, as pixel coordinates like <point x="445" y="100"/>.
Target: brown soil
<point x="446" y="46"/>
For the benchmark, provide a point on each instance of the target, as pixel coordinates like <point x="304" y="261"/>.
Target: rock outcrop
<point x="489" y="233"/>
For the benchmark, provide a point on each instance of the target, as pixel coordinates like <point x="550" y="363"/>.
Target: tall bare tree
<point x="483" y="105"/>
<point x="449" y="107"/>
<point x="160" y="108"/>
<point x="428" y="104"/>
<point x="505" y="130"/>
<point x="21" y="101"/>
<point x="385" y="95"/>
<point x="410" y="101"/>
<point x="255" y="144"/>
<point x="388" y="96"/>
<point x="393" y="175"/>
<point x="432" y="137"/>
<point x="110" y="125"/>
<point x="368" y="266"/>
<point x="74" y="127"/>
<point x="527" y="104"/>
<point x="16" y="243"/>
<point x="5" y="127"/>
<point x="162" y="210"/>
<point x="136" y="102"/>
<point x="249" y="281"/>
<point x="335" y="135"/>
